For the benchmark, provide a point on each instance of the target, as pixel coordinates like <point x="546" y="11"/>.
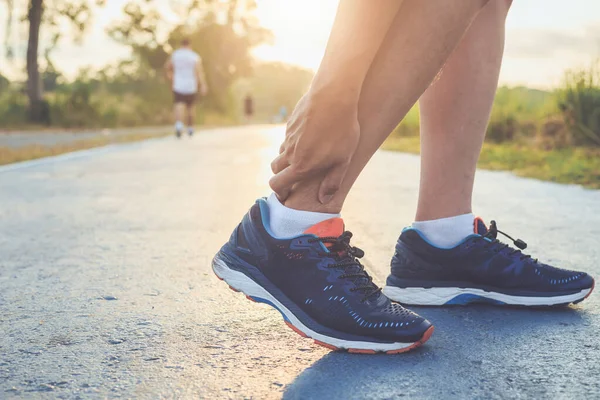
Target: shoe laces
<point x="492" y="234"/>
<point x="347" y="259"/>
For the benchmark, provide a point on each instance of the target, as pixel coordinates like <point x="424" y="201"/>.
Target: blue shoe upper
<point x="320" y="280"/>
<point x="480" y="261"/>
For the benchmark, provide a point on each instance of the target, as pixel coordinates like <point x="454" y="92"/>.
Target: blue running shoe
<point x="318" y="285"/>
<point x="480" y="269"/>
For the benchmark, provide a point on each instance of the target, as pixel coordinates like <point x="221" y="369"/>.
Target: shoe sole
<point x="444" y="296"/>
<point x="239" y="282"/>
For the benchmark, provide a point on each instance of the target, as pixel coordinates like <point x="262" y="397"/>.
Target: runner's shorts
<point x="188" y="99"/>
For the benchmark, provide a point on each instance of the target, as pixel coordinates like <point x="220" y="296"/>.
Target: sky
<point x="543" y="37"/>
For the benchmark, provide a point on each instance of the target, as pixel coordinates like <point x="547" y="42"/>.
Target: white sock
<point x="179" y="126"/>
<point x="286" y="222"/>
<point x="190" y="129"/>
<point x="446" y="233"/>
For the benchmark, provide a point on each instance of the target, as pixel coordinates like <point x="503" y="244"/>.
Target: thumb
<point x="332" y="182"/>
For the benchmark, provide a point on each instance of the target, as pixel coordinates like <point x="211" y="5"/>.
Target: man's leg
<point x="178" y="114"/>
<point x="191" y="109"/>
<point x="449" y="256"/>
<point x="400" y="73"/>
<point x="454" y="114"/>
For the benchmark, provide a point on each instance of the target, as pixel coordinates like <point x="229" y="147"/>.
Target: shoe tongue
<point x="330" y="227"/>
<point x="479" y="226"/>
<point x="334" y="227"/>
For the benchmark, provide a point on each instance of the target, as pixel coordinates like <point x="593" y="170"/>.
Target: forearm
<point x="200" y="76"/>
<point x="201" y="80"/>
<point x="359" y="29"/>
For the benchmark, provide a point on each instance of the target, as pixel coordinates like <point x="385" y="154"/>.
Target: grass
<point x="576" y="165"/>
<point x="15" y="154"/>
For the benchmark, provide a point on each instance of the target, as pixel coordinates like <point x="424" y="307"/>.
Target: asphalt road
<point x="106" y="289"/>
<point x="16" y="139"/>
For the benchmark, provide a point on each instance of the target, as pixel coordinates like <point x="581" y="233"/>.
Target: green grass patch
<point x="575" y="165"/>
<point x="10" y="155"/>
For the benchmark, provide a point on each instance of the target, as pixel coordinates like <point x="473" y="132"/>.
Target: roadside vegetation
<point x="552" y="136"/>
<point x="10" y="155"/>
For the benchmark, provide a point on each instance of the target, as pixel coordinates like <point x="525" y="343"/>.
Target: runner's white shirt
<point x="184" y="71"/>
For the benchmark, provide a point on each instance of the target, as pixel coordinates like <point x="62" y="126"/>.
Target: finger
<point x="279" y="163"/>
<point x="283" y="182"/>
<point x="332" y="183"/>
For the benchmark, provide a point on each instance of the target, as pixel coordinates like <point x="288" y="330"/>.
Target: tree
<point x="34" y="83"/>
<point x="47" y="16"/>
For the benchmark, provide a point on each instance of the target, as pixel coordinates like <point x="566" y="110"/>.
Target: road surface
<point x="106" y="289"/>
<point x="53" y="138"/>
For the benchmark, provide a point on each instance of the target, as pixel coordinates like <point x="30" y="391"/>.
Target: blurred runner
<point x="283" y="113"/>
<point x="184" y="71"/>
<point x="248" y="108"/>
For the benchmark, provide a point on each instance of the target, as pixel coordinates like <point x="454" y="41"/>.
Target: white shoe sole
<point x="461" y="296"/>
<point x="241" y="283"/>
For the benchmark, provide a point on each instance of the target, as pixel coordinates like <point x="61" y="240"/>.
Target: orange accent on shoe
<point x="475" y="224"/>
<point x="416" y="344"/>
<point x="329" y="346"/>
<point x="330" y="227"/>
<point x="298" y="331"/>
<point x="232" y="288"/>
<point x="362" y="351"/>
<point x="250" y="298"/>
<point x="591" y="290"/>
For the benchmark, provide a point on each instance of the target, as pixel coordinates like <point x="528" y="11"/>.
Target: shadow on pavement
<point x="481" y="351"/>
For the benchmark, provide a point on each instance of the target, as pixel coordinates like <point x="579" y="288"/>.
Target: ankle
<point x="430" y="213"/>
<point x="446" y="232"/>
<point x="289" y="222"/>
<point x="302" y="201"/>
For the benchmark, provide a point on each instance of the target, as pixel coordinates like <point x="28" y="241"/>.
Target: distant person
<point x="292" y="250"/>
<point x="184" y="71"/>
<point x="283" y="113"/>
<point x="248" y="108"/>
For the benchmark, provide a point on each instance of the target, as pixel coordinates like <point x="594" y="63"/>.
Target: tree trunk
<point x="34" y="83"/>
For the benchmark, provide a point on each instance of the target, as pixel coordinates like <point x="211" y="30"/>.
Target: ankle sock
<point x="446" y="232"/>
<point x="178" y="126"/>
<point x="286" y="222"/>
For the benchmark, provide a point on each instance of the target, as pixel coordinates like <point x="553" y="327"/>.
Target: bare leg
<point x="191" y="109"/>
<point x="399" y="75"/>
<point x="454" y="115"/>
<point x="178" y="111"/>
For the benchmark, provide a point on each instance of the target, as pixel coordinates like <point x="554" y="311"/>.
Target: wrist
<point x="334" y="91"/>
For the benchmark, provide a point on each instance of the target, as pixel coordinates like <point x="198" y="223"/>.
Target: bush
<point x="409" y="126"/>
<point x="554" y="134"/>
<point x="74" y="109"/>
<point x="580" y="105"/>
<point x="502" y="128"/>
<point x="13" y="109"/>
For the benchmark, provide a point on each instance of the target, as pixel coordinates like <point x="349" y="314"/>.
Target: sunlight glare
<point x="300" y="29"/>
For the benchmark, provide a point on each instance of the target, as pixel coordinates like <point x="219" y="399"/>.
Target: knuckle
<point x="302" y="167"/>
